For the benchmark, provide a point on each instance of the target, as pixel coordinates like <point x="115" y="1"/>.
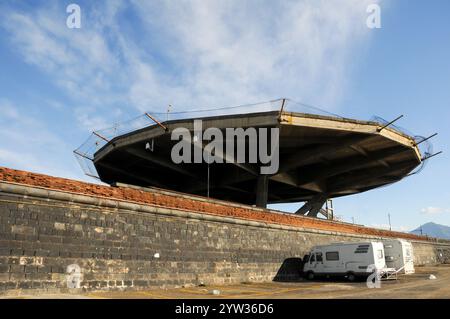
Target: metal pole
<point x="353" y="220"/>
<point x="90" y="175"/>
<point x="430" y="156"/>
<point x="283" y="101"/>
<point x="382" y="128"/>
<point x="426" y="139"/>
<point x="156" y="121"/>
<point x="282" y="105"/>
<point x="82" y="155"/>
<point x="208" y="178"/>
<point x="390" y="226"/>
<point x="168" y="111"/>
<point x="102" y="137"/>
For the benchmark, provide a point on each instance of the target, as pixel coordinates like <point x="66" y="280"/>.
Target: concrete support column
<point x="313" y="206"/>
<point x="316" y="208"/>
<point x="262" y="188"/>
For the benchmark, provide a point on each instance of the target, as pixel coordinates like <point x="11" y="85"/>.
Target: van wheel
<point x="351" y="277"/>
<point x="310" y="275"/>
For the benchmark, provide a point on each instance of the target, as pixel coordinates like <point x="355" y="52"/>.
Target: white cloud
<point x="185" y="53"/>
<point x="400" y="228"/>
<point x="8" y="110"/>
<point x="29" y="144"/>
<point x="20" y="160"/>
<point x="197" y="53"/>
<point x="230" y="52"/>
<point x="431" y="210"/>
<point x="81" y="62"/>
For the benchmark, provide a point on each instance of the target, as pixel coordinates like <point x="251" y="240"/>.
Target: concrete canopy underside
<point x="318" y="156"/>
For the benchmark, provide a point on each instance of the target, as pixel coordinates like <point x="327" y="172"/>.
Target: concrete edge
<point x="173" y="194"/>
<point x="41" y="193"/>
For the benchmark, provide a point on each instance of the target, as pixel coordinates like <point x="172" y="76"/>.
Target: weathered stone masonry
<point x="130" y="244"/>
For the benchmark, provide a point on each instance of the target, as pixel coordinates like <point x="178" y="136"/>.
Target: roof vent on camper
<point x="362" y="249"/>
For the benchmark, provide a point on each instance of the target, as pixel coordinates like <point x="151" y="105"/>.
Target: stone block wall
<point x="127" y="245"/>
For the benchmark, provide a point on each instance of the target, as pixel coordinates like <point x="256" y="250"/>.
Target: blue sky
<point x="58" y="84"/>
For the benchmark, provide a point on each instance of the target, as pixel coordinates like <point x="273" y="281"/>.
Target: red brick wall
<point x="189" y="204"/>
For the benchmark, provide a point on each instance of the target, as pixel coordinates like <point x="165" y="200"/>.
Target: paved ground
<point x="417" y="285"/>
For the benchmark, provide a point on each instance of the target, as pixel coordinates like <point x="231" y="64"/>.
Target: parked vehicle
<point x="351" y="260"/>
<point x="399" y="255"/>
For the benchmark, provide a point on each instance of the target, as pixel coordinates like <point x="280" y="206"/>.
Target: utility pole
<point x="390" y="226"/>
<point x="169" y="108"/>
<point x="208" y="177"/>
<point x="353" y="220"/>
<point x="208" y="182"/>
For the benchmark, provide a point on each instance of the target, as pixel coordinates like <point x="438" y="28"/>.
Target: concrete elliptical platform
<point x="320" y="157"/>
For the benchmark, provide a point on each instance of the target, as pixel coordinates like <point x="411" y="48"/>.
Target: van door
<point x="333" y="262"/>
<point x="310" y="262"/>
<point x="378" y="255"/>
<point x="319" y="267"/>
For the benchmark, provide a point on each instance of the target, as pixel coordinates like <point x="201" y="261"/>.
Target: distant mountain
<point x="433" y="230"/>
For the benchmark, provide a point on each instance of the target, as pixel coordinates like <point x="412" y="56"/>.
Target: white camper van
<point x="348" y="259"/>
<point x="399" y="255"/>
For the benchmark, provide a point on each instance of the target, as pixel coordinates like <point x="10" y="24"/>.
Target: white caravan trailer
<point x="399" y="255"/>
<point x="348" y="259"/>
